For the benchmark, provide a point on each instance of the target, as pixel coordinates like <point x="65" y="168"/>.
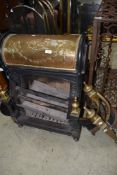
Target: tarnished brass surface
<point x="96" y="97"/>
<point x="75" y="107"/>
<point x="3" y="95"/>
<point x="69" y="17"/>
<point x="45" y="51"/>
<point x="104" y="38"/>
<point x="3" y="82"/>
<point x="97" y="120"/>
<point x="3" y="87"/>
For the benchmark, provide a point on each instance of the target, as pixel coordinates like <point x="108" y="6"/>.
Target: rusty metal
<point x="104" y="34"/>
<point x="46" y="51"/>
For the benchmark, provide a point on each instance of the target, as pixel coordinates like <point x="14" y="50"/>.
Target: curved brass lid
<point x="41" y="51"/>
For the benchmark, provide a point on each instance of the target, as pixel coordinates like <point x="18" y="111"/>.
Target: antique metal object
<point x="76" y="17"/>
<point x="75" y="107"/>
<point x="3" y="86"/>
<point x="51" y="16"/>
<point x="68" y="16"/>
<point x="49" y="52"/>
<point x="3" y="82"/>
<point x="46" y="75"/>
<point x="27" y="20"/>
<point x="36" y="17"/>
<point x="104" y="34"/>
<point x="96" y="97"/>
<point x="3" y="95"/>
<point x="97" y="120"/>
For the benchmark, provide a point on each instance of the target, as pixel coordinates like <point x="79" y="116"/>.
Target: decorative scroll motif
<point x="105" y="26"/>
<point x="103" y="63"/>
<point x="108" y="10"/>
<point x="104" y="52"/>
<point x="105" y="81"/>
<point x="111" y="88"/>
<point x="99" y="80"/>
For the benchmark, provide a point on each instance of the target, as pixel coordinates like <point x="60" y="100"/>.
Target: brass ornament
<point x="3" y="95"/>
<point x="75" y="107"/>
<point x="105" y="37"/>
<point x="97" y="120"/>
<point x="88" y="89"/>
<point x="96" y="97"/>
<point x="69" y="17"/>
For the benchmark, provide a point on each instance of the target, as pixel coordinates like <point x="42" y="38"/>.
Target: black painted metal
<point x="86" y="16"/>
<point x="17" y="87"/>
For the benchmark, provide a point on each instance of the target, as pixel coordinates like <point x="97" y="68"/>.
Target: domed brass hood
<point x="41" y="51"/>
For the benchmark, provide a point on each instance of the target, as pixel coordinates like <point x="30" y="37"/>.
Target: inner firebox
<point x="45" y="98"/>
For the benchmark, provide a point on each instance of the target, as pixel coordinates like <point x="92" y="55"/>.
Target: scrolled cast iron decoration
<point x="104" y="35"/>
